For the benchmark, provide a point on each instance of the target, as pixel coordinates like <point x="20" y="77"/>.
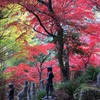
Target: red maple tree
<point x="65" y="21"/>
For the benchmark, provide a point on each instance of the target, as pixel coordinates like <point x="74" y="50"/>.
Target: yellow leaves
<point x="23" y="17"/>
<point x="14" y="23"/>
<point x="17" y="24"/>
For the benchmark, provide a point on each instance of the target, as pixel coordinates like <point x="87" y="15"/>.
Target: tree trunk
<point x="63" y="67"/>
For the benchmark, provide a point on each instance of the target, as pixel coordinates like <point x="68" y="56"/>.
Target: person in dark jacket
<point x="49" y="83"/>
<point x="10" y="92"/>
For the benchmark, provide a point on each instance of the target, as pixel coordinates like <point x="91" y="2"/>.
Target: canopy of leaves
<point x="72" y="23"/>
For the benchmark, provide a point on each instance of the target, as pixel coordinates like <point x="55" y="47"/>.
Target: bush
<point x="80" y="80"/>
<point x="69" y="87"/>
<point x="72" y="87"/>
<point x="40" y="94"/>
<point x="91" y="73"/>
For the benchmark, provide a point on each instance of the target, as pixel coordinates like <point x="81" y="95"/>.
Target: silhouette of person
<point x="49" y="83"/>
<point x="10" y="92"/>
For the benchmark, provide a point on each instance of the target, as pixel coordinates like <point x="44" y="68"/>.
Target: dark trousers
<point x="49" y="89"/>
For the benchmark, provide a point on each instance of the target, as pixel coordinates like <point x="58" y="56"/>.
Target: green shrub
<point x="69" y="87"/>
<point x="91" y="73"/>
<point x="40" y="94"/>
<point x="80" y="80"/>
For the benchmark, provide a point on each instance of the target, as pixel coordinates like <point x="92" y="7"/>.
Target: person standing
<point x="49" y="83"/>
<point x="10" y="92"/>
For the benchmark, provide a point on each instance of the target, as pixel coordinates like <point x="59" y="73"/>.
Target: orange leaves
<point x="14" y="14"/>
<point x="19" y="73"/>
<point x="92" y="28"/>
<point x="14" y="23"/>
<point x="33" y="51"/>
<point x="21" y="37"/>
<point x="21" y="31"/>
<point x="24" y="72"/>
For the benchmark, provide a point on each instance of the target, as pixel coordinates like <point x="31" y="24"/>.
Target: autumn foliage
<point x="72" y="27"/>
<point x="18" y="74"/>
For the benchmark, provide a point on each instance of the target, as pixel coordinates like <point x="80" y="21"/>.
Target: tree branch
<point x="46" y="57"/>
<point x="50" y="6"/>
<point x="43" y="25"/>
<point x="40" y="32"/>
<point x="43" y="2"/>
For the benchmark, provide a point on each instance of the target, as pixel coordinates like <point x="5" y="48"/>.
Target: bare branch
<point x="40" y="32"/>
